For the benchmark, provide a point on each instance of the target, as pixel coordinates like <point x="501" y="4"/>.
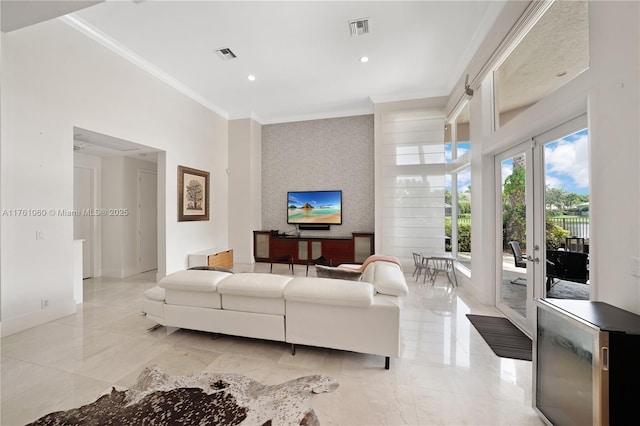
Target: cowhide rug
<point x="204" y="399"/>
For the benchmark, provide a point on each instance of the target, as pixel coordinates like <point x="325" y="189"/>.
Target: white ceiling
<point x="305" y="61"/>
<point x="100" y="145"/>
<point x="304" y="58"/>
<point x="18" y="14"/>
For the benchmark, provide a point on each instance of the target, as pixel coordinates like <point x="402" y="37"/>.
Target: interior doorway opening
<point x="116" y="193"/>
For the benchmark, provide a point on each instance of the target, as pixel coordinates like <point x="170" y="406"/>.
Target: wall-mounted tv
<point x="314" y="207"/>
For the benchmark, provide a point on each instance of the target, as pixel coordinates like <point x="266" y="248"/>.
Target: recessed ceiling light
<point x="251" y="77"/>
<point x="364" y="59"/>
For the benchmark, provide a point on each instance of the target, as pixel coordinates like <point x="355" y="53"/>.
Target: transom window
<point x="553" y="52"/>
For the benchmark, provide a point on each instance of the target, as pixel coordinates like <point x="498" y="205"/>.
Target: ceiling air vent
<point x="359" y="26"/>
<point x="225" y="53"/>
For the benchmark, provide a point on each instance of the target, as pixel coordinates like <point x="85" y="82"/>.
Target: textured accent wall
<point x="329" y="154"/>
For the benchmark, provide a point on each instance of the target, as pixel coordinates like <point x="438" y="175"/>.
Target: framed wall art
<point x="193" y="194"/>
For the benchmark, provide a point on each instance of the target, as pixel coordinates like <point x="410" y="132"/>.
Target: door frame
<point x="533" y="267"/>
<point x="139" y="219"/>
<point x="95" y="241"/>
<point x="555" y="133"/>
<point x="536" y="215"/>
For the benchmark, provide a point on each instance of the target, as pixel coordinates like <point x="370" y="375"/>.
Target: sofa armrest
<point x="388" y="278"/>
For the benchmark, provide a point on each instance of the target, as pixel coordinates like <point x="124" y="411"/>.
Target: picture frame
<point x="193" y="194"/>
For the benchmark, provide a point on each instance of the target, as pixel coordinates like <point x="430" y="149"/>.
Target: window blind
<point x="411" y="156"/>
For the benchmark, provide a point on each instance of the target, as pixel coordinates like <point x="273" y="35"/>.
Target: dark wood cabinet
<point x="354" y="249"/>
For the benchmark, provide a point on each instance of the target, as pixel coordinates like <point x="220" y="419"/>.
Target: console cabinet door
<point x="303" y="250"/>
<point x="338" y="251"/>
<point x="261" y="241"/>
<point x="309" y="250"/>
<point x="363" y="246"/>
<point x="281" y="247"/>
<point x="316" y="249"/>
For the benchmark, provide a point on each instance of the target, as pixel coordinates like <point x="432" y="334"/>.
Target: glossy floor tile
<point x="446" y="375"/>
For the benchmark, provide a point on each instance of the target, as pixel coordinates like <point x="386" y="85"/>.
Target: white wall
<point x="245" y="198"/>
<point x="609" y="91"/>
<point x="614" y="110"/>
<point x="54" y="78"/>
<point x="1" y="201"/>
<point x="112" y="228"/>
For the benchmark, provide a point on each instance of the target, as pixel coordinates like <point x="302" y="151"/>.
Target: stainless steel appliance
<point x="586" y="363"/>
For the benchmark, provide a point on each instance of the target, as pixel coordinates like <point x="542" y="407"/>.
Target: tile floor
<point x="446" y="374"/>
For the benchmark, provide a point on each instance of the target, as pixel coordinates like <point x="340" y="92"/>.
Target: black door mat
<point x="505" y="339"/>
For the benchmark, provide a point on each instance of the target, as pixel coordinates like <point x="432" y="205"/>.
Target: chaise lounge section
<point x="360" y="315"/>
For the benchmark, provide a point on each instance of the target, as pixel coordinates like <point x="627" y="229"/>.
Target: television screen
<point x="318" y="207"/>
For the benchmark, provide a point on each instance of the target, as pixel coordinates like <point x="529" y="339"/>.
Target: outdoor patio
<point x="514" y="286"/>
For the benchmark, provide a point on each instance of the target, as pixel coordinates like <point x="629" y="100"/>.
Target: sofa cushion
<point x="254" y="284"/>
<point x="155" y="293"/>
<point x="389" y="279"/>
<point x="338" y="273"/>
<point x="329" y="291"/>
<point x="193" y="280"/>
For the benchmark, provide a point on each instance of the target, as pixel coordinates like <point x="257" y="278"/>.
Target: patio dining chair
<point x="518" y="260"/>
<point x="419" y="265"/>
<point x="437" y="264"/>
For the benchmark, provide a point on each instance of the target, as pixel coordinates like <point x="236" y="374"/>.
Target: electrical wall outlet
<point x="39" y="235"/>
<point x="44" y="303"/>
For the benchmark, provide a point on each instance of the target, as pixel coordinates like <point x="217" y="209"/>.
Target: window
<point x="553" y="52"/>
<point x="458" y="188"/>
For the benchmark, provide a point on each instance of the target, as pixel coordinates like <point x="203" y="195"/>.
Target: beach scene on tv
<point x="315" y="207"/>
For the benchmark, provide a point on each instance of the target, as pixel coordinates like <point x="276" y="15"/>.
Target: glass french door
<point x="543" y="221"/>
<point x="518" y="256"/>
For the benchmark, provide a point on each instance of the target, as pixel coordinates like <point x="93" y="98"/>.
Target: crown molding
<point x="90" y="31"/>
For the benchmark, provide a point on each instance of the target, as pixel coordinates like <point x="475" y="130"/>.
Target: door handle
<point x="532" y="259"/>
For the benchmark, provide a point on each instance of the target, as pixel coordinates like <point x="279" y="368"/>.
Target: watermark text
<point x="64" y="212"/>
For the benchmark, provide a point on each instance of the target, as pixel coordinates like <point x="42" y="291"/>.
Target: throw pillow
<point x="342" y="274"/>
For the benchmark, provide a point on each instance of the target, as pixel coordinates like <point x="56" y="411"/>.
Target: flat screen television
<point x="314" y="207"/>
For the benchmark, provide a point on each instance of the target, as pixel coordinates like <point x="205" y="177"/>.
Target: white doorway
<point x="83" y="196"/>
<point x="147" y="220"/>
<point x="117" y="180"/>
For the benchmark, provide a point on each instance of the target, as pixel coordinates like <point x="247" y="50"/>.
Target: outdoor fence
<point x="577" y="226"/>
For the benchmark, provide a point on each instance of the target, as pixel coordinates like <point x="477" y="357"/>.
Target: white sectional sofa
<point x="361" y="316"/>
